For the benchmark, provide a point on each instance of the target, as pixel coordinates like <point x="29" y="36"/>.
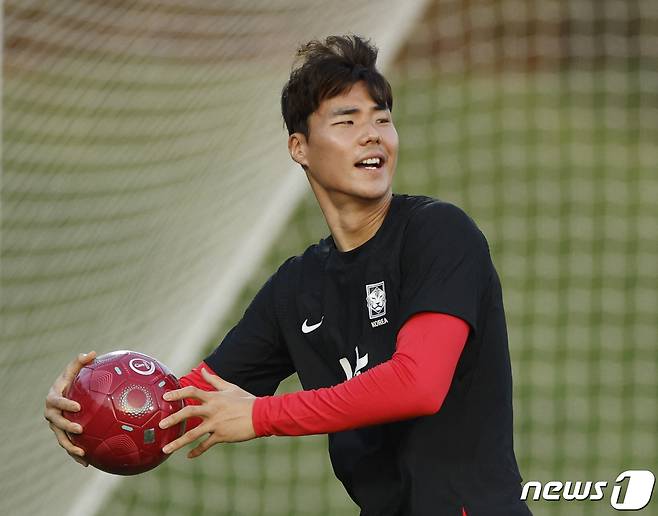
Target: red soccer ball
<point x="120" y="397"/>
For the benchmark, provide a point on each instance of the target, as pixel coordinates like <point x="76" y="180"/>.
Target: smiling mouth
<point x="370" y="163"/>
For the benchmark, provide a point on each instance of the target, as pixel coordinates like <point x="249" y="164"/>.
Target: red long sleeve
<point x="414" y="382"/>
<point x="195" y="379"/>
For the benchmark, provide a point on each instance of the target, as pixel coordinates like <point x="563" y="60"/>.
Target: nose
<point x="370" y="135"/>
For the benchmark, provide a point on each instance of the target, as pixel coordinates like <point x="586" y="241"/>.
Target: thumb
<point x="215" y="381"/>
<point x="74" y="367"/>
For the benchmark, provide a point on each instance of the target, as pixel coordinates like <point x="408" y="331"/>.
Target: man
<point x="394" y="323"/>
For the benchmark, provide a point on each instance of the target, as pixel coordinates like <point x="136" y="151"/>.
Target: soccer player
<point x="394" y="323"/>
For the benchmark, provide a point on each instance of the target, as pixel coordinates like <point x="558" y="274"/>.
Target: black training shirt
<point x="328" y="315"/>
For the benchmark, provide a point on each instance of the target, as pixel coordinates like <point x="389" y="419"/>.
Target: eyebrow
<point x="352" y="110"/>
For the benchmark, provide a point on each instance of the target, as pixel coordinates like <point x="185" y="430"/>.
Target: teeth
<point x="371" y="161"/>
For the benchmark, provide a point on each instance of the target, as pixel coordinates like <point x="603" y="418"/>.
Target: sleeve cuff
<point x="260" y="416"/>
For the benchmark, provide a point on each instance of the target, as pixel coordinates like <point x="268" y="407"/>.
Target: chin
<point x="373" y="194"/>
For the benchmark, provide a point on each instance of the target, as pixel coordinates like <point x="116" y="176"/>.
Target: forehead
<point x="355" y="97"/>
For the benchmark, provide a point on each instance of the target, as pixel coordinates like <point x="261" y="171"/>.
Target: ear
<point x="297" y="148"/>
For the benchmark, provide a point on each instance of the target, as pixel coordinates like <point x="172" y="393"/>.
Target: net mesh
<point x="540" y="119"/>
<point x="143" y="176"/>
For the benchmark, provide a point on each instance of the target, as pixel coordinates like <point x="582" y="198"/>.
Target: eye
<point x="383" y="120"/>
<point x="344" y="122"/>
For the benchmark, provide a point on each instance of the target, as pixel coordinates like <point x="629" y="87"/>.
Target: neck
<point x="354" y="222"/>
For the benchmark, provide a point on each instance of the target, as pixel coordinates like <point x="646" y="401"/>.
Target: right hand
<point x="56" y="403"/>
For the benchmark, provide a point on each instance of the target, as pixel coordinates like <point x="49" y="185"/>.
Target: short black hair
<point x="325" y="69"/>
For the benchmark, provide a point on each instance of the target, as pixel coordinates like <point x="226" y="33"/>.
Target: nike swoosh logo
<point x="308" y="329"/>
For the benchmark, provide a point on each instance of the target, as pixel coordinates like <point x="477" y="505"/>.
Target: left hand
<point x="225" y="414"/>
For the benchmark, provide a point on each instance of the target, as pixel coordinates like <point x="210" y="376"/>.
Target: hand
<point x="225" y="414"/>
<point x="56" y="403"/>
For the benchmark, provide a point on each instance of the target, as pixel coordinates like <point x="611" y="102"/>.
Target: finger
<point x="181" y="415"/>
<point x="186" y="438"/>
<point x="73" y="368"/>
<point x="185" y="392"/>
<point x="59" y="421"/>
<point x="60" y="403"/>
<point x="65" y="442"/>
<point x="215" y="381"/>
<point x="79" y="460"/>
<point x="203" y="446"/>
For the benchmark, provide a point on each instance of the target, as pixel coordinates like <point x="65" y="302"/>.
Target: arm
<point x="414" y="382"/>
<point x="253" y="354"/>
<point x="446" y="267"/>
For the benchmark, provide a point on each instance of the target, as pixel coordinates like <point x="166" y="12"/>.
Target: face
<point x="352" y="148"/>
